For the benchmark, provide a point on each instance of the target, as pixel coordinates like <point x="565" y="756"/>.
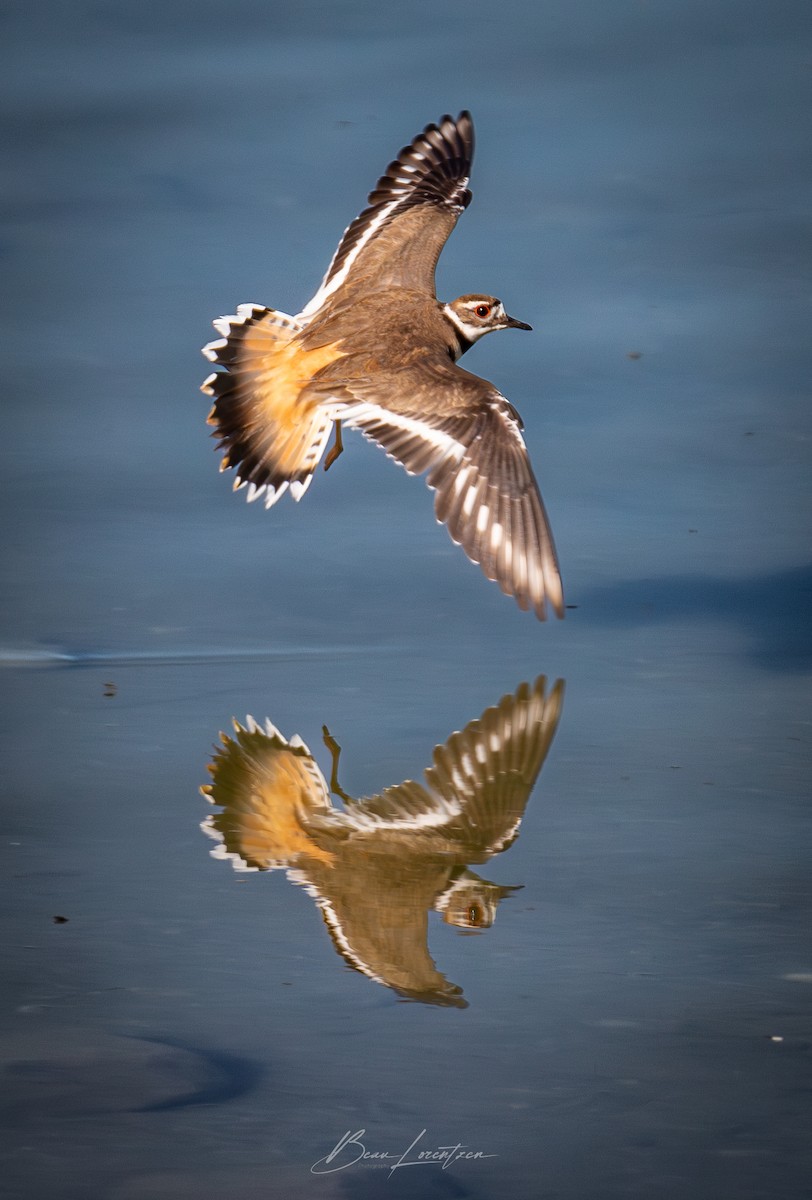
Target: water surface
<point x="637" y="1017"/>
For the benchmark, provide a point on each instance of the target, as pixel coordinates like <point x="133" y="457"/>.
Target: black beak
<point x="512" y="323"/>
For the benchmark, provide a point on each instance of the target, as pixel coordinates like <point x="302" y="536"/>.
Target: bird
<point x="377" y="866"/>
<point x="376" y="351"/>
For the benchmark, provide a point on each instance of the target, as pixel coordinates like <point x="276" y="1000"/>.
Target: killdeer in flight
<point x="377" y="351"/>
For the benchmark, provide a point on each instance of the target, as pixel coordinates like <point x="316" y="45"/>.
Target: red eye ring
<point x="483" y="310"/>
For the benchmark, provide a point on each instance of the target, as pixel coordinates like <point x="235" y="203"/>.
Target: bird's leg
<point x="335" y="753"/>
<point x="336" y="447"/>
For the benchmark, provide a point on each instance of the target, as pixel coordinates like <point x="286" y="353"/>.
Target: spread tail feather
<point x="270" y="790"/>
<point x="272" y="435"/>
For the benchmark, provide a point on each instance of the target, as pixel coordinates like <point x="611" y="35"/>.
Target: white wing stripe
<point x="358" y="415"/>
<point x="335" y="283"/>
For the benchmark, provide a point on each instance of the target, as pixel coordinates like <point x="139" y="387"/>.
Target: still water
<point x="592" y="980"/>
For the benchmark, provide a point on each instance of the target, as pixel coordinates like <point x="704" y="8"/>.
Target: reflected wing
<point x="376" y="907"/>
<point x="412" y="210"/>
<point x="478" y="465"/>
<point x="479" y="783"/>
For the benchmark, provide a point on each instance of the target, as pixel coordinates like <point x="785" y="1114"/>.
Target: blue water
<point x="638" y="1019"/>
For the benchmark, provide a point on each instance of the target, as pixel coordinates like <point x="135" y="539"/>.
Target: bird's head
<point x="474" y="316"/>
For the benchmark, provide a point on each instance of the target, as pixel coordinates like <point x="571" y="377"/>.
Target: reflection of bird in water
<point x="378" y="866"/>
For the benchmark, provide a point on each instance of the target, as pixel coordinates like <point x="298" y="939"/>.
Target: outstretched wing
<point x="477" y="463"/>
<point x="478" y="785"/>
<point x="397" y="240"/>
